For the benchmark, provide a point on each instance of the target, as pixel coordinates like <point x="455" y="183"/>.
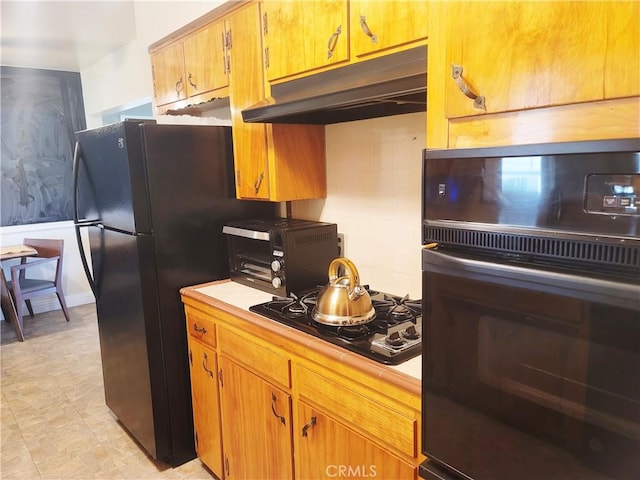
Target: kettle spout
<point x="357" y="292"/>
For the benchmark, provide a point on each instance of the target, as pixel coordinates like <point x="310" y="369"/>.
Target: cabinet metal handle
<point x="478" y="100"/>
<point x="224" y="53"/>
<point x="179" y="85"/>
<point x="307" y="426"/>
<point x="273" y="409"/>
<point x="258" y="182"/>
<point x="191" y="82"/>
<point x="204" y="365"/>
<point x="333" y="41"/>
<point x="265" y="27"/>
<point x="202" y="330"/>
<point x="367" y="31"/>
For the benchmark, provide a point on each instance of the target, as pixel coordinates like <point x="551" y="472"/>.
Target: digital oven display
<point x="612" y="194"/>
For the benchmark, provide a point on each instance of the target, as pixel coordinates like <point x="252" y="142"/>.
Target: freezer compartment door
<point x="130" y="340"/>
<point x="110" y="178"/>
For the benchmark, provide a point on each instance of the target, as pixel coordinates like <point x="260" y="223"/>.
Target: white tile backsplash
<point x="374" y="170"/>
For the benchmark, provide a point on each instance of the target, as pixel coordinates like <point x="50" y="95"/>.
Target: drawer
<point x="201" y="327"/>
<point x="374" y="419"/>
<point x="269" y="363"/>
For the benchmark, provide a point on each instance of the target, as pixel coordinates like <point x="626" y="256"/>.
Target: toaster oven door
<point x="250" y="263"/>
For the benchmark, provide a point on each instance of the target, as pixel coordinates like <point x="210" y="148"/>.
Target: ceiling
<point x="63" y="35"/>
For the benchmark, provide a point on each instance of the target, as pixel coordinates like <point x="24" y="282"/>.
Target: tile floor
<point x="54" y="422"/>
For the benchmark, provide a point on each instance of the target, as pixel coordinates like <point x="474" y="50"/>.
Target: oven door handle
<point x="622" y="294"/>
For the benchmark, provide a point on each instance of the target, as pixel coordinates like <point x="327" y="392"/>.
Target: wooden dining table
<point x="7" y="300"/>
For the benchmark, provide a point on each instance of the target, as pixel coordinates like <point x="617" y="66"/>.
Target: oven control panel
<point x="607" y="194"/>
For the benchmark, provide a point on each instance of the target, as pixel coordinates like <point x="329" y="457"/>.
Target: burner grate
<point x="394" y="316"/>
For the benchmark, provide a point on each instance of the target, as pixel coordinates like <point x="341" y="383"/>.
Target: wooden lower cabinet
<point x="255" y="394"/>
<point x="256" y="425"/>
<point x="326" y="448"/>
<point x="206" y="406"/>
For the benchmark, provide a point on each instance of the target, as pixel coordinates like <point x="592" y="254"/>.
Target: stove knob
<point x="394" y="339"/>
<point x="276" y="266"/>
<point x="276" y="282"/>
<point x="411" y="333"/>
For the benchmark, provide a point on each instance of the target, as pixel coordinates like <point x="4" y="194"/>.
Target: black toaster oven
<point x="281" y="255"/>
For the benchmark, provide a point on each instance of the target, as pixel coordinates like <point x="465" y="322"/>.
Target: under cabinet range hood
<point x="388" y="85"/>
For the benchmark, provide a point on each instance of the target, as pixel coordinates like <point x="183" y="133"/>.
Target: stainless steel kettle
<point x="343" y="301"/>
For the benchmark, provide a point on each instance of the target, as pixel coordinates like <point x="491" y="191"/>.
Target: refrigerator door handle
<point x="83" y="258"/>
<point x="81" y="223"/>
<point x="76" y="165"/>
<point x="77" y="157"/>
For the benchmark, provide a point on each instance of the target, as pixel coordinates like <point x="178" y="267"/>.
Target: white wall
<point x="374" y="170"/>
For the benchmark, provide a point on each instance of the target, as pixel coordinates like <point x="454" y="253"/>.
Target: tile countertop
<point x="242" y="297"/>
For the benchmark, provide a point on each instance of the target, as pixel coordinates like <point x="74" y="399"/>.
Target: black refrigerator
<point x="154" y="199"/>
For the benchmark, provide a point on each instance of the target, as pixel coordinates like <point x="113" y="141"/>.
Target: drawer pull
<point x="307" y="426"/>
<point x="367" y="31"/>
<point x="198" y="329"/>
<point x="333" y="41"/>
<point x="478" y="100"/>
<point x="204" y="365"/>
<point x="273" y="409"/>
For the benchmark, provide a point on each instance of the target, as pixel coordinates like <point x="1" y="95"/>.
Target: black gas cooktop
<point x="393" y="336"/>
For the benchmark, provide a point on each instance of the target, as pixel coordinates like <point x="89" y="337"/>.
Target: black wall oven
<point x="531" y="312"/>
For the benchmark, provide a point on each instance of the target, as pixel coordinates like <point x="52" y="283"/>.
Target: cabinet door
<point x="205" y="59"/>
<point x="256" y="425"/>
<point x="206" y="406"/>
<point x="330" y="449"/>
<point x="522" y="55"/>
<point x="377" y="26"/>
<point x="167" y="68"/>
<point x="246" y="88"/>
<point x="300" y="36"/>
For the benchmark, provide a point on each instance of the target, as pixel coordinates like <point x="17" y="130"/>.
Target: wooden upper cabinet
<point x="205" y="59"/>
<point x="167" y="67"/>
<point x="378" y="26"/>
<point x="523" y="55"/>
<point x="301" y="36"/>
<point x="191" y="66"/>
<point x="272" y="162"/>
<point x="246" y="88"/>
<point x="225" y="58"/>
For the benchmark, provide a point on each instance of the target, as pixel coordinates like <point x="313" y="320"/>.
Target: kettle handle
<point x="351" y="272"/>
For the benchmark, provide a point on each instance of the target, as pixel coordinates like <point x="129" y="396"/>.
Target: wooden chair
<point x="24" y="288"/>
